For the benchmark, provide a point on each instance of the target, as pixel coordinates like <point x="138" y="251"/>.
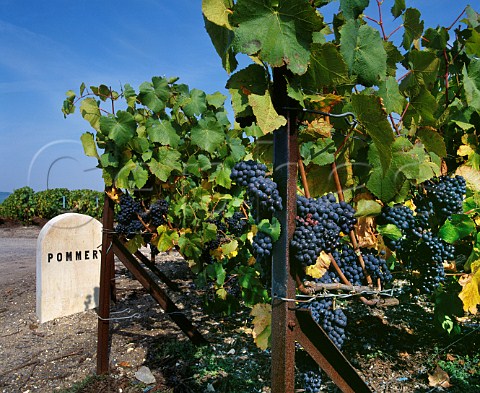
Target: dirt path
<point x="50" y="356"/>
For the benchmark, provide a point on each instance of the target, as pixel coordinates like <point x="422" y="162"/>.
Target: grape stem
<point x="353" y="237"/>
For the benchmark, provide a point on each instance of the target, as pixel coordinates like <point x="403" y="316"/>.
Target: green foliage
<point x="24" y="204"/>
<point x="203" y="366"/>
<point x="19" y="205"/>
<point x="464" y="372"/>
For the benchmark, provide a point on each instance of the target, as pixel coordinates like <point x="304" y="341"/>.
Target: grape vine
<point x="188" y="178"/>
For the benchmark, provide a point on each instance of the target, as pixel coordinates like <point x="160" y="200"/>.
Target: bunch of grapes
<point x="264" y="200"/>
<point x="347" y="260"/>
<point x="244" y="171"/>
<point x="262" y="192"/>
<point x="262" y="245"/>
<point x="333" y="321"/>
<point x="376" y="266"/>
<point x="420" y="249"/>
<point x="158" y="212"/>
<point x="127" y="218"/>
<point x="310" y="381"/>
<point x="236" y="224"/>
<point x="319" y="225"/>
<point x="445" y="194"/>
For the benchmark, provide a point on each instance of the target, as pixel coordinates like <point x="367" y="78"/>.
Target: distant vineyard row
<point x="24" y="204"/>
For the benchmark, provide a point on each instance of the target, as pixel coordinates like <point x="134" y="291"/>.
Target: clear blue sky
<point x="49" y="47"/>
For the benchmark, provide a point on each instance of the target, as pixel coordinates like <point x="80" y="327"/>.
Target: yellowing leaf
<point x="114" y="194"/>
<point x="267" y="117"/>
<point x="230" y="249"/>
<point x="320" y="267"/>
<point x="439" y="378"/>
<point x="262" y="324"/>
<point x="470" y="294"/>
<point x="365" y="230"/>
<point x="471" y="175"/>
<point x="465" y="150"/>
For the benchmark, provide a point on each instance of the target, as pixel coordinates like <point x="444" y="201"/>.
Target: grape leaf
<point x="424" y="67"/>
<point x="120" y="128"/>
<point x="121" y="180"/>
<point x="439" y="378"/>
<point x="190" y="246"/>
<point x="470" y="294"/>
<point x="140" y="176"/>
<point x="397" y="8"/>
<point x="327" y="68"/>
<point x="88" y="143"/>
<point x="393" y="57"/>
<point x="364" y="52"/>
<point x="321" y="152"/>
<point x="134" y="243"/>
<point x="471" y="80"/>
<point x="436" y="38"/>
<point x="433" y="141"/>
<point x="162" y="131"/>
<point x="217" y="99"/>
<point x="367" y="208"/>
<point x="456" y="227"/>
<point x="91" y="112"/>
<point x="251" y="79"/>
<point x="371" y="115"/>
<point x="217" y="11"/>
<point x="262" y="324"/>
<point x="273" y="228"/>
<point x="390" y="230"/>
<point x="222" y="39"/>
<point x="413" y="27"/>
<point x="221" y="176"/>
<point x="390" y="93"/>
<point x="196" y="104"/>
<point x="321" y="266"/>
<point x="230" y="249"/>
<point x="353" y="8"/>
<point x="422" y="108"/>
<point x="267" y="117"/>
<point x="208" y="134"/>
<point x="167" y="238"/>
<point x="165" y="161"/>
<point x="279" y="32"/>
<point x="471" y="175"/>
<point x="152" y="97"/>
<point x="472" y="44"/>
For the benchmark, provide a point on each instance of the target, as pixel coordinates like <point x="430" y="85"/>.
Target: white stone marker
<point x="68" y="266"/>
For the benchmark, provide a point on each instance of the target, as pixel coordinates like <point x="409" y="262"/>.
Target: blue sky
<point x="49" y="47"/>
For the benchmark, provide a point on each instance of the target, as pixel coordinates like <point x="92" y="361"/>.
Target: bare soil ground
<point x="394" y="349"/>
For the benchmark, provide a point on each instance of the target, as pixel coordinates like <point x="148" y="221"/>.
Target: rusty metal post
<point x="283" y="282"/>
<point x="107" y="272"/>
<point x="319" y="346"/>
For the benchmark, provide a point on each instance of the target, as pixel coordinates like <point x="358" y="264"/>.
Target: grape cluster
<point x="420" y="248"/>
<point x="262" y="245"/>
<point x="319" y="225"/>
<point x="244" y="171"/>
<point x="262" y="192"/>
<point x="376" y="266"/>
<point x="333" y="321"/>
<point x="127" y="218"/>
<point x="347" y="260"/>
<point x="445" y="194"/>
<point x="206" y="256"/>
<point x="400" y="216"/>
<point x="263" y="198"/>
<point x="311" y="381"/>
<point x="236" y="224"/>
<point x="158" y="212"/>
